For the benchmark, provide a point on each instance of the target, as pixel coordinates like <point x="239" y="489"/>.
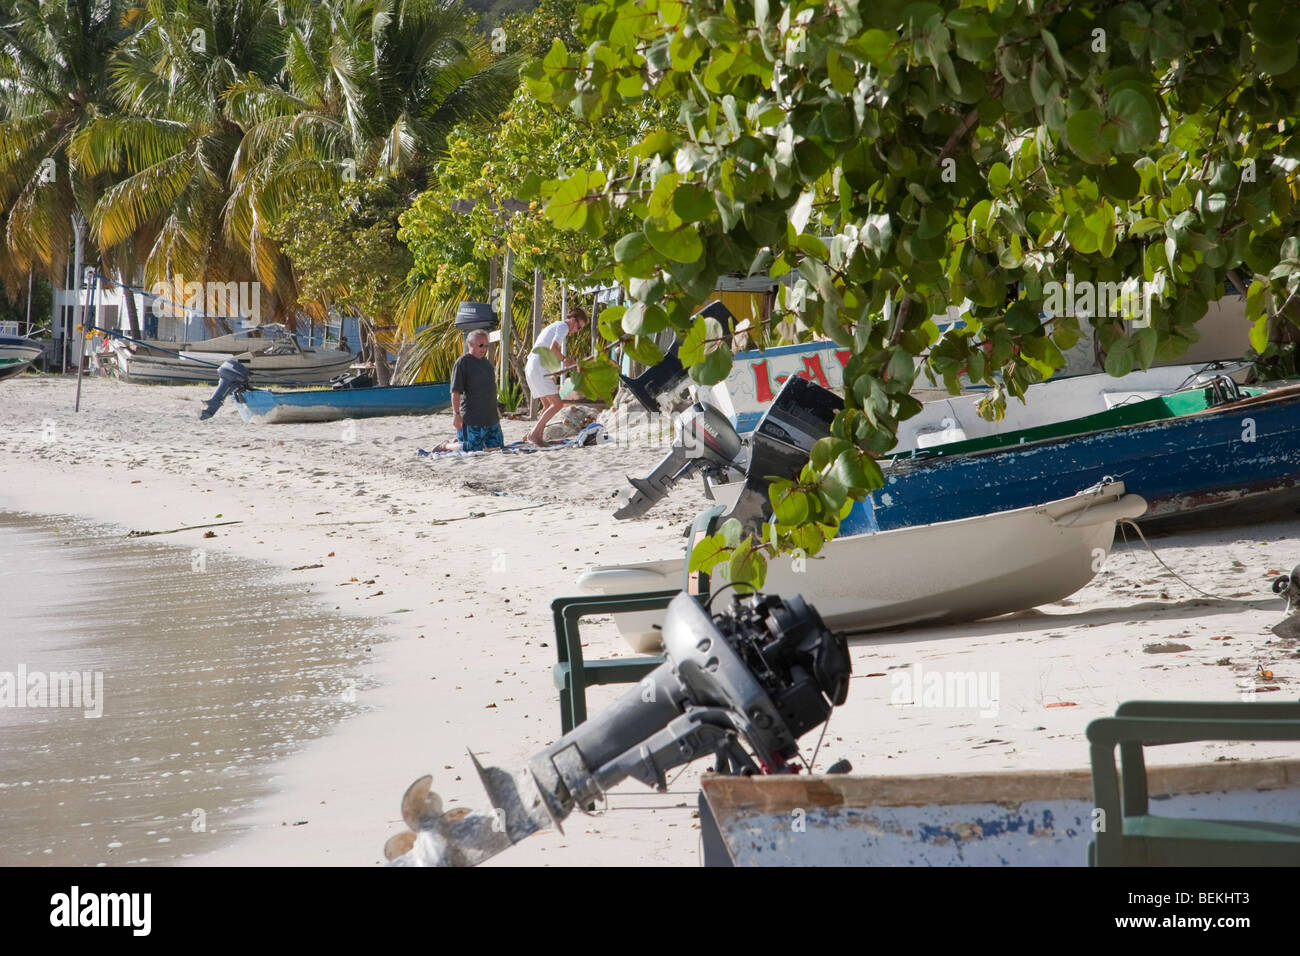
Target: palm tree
<point x="54" y="84"/>
<point x="370" y="89"/>
<point x="172" y="143"/>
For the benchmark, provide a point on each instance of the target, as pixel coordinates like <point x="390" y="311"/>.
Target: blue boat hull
<point x="336" y="404"/>
<point x="1236" y="462"/>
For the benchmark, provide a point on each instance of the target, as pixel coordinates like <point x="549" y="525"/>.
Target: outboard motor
<point x="761" y="674"/>
<point x="663" y="378"/>
<point x="232" y="377"/>
<point x="705" y="442"/>
<point x="800" y="414"/>
<point x="1288" y="586"/>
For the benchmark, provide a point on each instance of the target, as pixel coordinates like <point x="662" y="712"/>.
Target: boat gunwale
<point x="781" y="794"/>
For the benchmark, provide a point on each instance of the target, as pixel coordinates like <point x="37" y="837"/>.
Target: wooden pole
<point x="533" y="404"/>
<point x="81" y="358"/>
<point x="507" y="320"/>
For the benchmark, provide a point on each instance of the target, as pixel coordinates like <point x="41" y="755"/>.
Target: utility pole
<point x="503" y="375"/>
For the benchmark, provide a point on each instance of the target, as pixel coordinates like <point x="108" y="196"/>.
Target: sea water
<point x="147" y="690"/>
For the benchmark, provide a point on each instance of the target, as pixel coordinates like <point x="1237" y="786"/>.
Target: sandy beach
<point x="456" y="562"/>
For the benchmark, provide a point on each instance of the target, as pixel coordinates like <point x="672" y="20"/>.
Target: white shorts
<point x="539" y="383"/>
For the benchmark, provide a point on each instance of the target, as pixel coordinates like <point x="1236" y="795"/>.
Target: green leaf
<point x="643" y="350"/>
<point x="809" y="538"/>
<point x="692" y="348"/>
<point x="1259" y="334"/>
<point x="567" y="207"/>
<point x="999" y="178"/>
<point x="1119" y="360"/>
<point x="692" y="202"/>
<point x="857" y="472"/>
<point x="715" y="367"/>
<point x="1146" y="346"/>
<point x="1120" y="181"/>
<point x="747" y="568"/>
<point x="1132" y="122"/>
<point x="597" y="379"/>
<point x="832" y="493"/>
<point x="642" y="319"/>
<point x="826" y="450"/>
<point x="1083" y="131"/>
<point x="791" y="506"/>
<point x="631" y="246"/>
<point x="681" y="244"/>
<point x="876" y="45"/>
<point x="708" y="553"/>
<point x="549" y="360"/>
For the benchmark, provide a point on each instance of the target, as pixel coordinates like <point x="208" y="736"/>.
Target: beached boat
<point x="1070" y="402"/>
<point x="1009" y="818"/>
<point x="271" y="354"/>
<point x="328" y="405"/>
<point x="873" y="581"/>
<point x="16" y="354"/>
<point x="1195" y="457"/>
<point x="1221" y="453"/>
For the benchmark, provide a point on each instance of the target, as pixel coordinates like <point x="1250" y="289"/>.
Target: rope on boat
<point x="114" y="334"/>
<point x="1130" y="523"/>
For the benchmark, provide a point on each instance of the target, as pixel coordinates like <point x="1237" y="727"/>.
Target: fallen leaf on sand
<point x="1062" y="703"/>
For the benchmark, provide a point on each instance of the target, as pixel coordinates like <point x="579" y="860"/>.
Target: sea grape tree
<point x="895" y="158"/>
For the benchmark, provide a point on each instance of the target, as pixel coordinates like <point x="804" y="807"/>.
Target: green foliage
<point x="345" y="251"/>
<point x="510" y="397"/>
<point x="897" y="158"/>
<point x="54" y="81"/>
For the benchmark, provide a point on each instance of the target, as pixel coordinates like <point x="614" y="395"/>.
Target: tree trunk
<point x="132" y="316"/>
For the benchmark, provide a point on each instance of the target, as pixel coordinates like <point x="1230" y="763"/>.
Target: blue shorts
<point x="480" y="437"/>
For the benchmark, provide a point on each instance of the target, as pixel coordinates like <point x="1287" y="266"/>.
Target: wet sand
<point x="209" y="669"/>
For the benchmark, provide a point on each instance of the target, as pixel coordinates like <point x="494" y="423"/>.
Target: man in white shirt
<point x="543" y="385"/>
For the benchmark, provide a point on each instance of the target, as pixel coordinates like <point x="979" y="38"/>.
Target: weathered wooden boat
<point x="1012" y="818"/>
<point x="1225" y="813"/>
<point x="271" y="354"/>
<point x="16" y="354"/>
<point x="873" y="581"/>
<point x="328" y="405"/>
<point x="757" y="376"/>
<point x="1197" y="456"/>
<point x="1062" y="406"/>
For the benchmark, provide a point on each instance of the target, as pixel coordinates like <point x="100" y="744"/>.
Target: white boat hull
<point x="311" y="368"/>
<point x="891" y="579"/>
<point x="16" y="355"/>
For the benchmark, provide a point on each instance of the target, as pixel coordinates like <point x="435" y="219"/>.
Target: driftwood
<point x="146" y="534"/>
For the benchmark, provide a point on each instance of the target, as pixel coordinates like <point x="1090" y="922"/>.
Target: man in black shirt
<point x="474" y="399"/>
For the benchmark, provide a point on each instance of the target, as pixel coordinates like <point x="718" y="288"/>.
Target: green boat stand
<point x="1131" y="835"/>
<point x="572" y="674"/>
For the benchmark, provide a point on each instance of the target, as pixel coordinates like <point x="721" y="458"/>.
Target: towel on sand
<point x="593" y="434"/>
